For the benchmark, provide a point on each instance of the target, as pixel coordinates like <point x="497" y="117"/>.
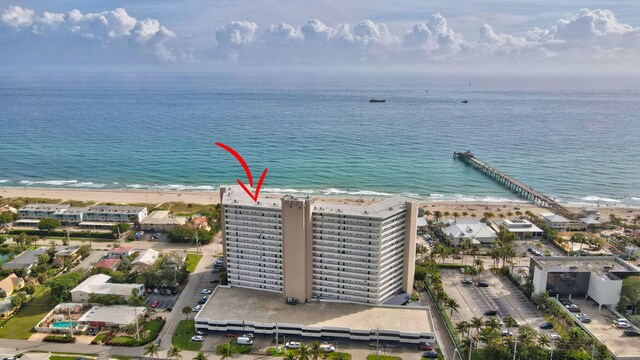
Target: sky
<point x="187" y="34"/>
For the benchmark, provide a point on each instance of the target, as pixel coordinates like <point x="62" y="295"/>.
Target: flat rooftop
<point x="115" y="314"/>
<point x="235" y="195"/>
<point x="238" y="304"/>
<point x="595" y="264"/>
<point x="44" y="207"/>
<point x="115" y="209"/>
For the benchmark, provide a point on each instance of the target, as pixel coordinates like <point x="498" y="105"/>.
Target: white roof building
<point x="461" y="229"/>
<point x="115" y="315"/>
<point x="146" y="258"/>
<point x="161" y="220"/>
<point x="591" y="219"/>
<point x="523" y="228"/>
<point x="99" y="284"/>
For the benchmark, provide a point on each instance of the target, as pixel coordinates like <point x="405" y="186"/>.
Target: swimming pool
<point x="64" y="324"/>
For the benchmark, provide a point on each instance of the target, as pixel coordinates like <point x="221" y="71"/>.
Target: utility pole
<point x="593" y="350"/>
<point x="277" y="340"/>
<point x="515" y="349"/>
<point x="377" y="341"/>
<point x="553" y="342"/>
<point x="197" y="242"/>
<point x="135" y="311"/>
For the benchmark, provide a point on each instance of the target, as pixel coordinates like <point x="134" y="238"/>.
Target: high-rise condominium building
<point x="309" y="249"/>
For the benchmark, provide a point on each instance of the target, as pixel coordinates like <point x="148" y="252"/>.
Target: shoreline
<point x="136" y="196"/>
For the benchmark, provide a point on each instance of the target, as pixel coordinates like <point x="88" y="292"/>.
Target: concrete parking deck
<point x="623" y="347"/>
<point x="238" y="304"/>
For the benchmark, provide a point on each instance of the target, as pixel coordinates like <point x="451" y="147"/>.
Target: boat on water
<point x="465" y="101"/>
<point x="377" y="100"/>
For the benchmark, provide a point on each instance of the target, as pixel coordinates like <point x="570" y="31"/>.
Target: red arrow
<point x="247" y="171"/>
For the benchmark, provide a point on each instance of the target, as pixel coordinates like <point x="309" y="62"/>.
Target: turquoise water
<point x="64" y="324"/>
<point x="574" y="138"/>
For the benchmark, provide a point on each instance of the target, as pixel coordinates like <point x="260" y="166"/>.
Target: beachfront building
<point x="115" y="214"/>
<point x="306" y="249"/>
<point x="523" y="228"/>
<point x="71" y="216"/>
<point x="460" y="229"/>
<point x="40" y="211"/>
<point x="561" y="223"/>
<point x="99" y="284"/>
<point x="161" y="220"/>
<point x="596" y="277"/>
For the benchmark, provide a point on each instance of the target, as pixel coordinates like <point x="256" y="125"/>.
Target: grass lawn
<point x="182" y="337"/>
<point x="62" y="357"/>
<point x="383" y="357"/>
<point x="153" y="327"/>
<point x="192" y="261"/>
<point x="20" y="325"/>
<point x="99" y="337"/>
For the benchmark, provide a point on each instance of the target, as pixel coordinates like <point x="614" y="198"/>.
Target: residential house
<point x="111" y="264"/>
<point x="99" y="284"/>
<point x="11" y="283"/>
<point x="120" y="252"/>
<point x="63" y="253"/>
<point x="26" y="260"/>
<point x="115" y="316"/>
<point x="7" y="208"/>
<point x="145" y="260"/>
<point x="460" y="229"/>
<point x="199" y="222"/>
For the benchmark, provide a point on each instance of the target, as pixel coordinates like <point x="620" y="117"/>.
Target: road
<point x="442" y="336"/>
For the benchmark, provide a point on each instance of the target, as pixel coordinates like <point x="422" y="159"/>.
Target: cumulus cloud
<point x="589" y="33"/>
<point x="85" y="37"/>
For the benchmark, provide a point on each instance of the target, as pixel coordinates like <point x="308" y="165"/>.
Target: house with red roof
<point x="111" y="264"/>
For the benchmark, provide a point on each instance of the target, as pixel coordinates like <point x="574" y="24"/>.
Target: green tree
<point x="630" y="294"/>
<point x="120" y="228"/>
<point x="226" y="351"/>
<point x="136" y="299"/>
<point x="21" y="239"/>
<point x="48" y="224"/>
<point x="304" y="352"/>
<point x="62" y="285"/>
<point x="315" y="350"/>
<point x="186" y="311"/>
<point x="510" y="323"/>
<point x="174" y="352"/>
<point x="18" y="300"/>
<point x="152" y="349"/>
<point x="187" y="234"/>
<point x="289" y="355"/>
<point x="5" y="218"/>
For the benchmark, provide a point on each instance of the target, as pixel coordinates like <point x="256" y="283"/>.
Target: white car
<point x="292" y="345"/>
<point x="197" y="308"/>
<point x="197" y="338"/>
<point x="205" y="291"/>
<point x="327" y="347"/>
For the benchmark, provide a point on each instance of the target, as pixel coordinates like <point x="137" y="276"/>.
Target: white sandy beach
<point x="158" y="197"/>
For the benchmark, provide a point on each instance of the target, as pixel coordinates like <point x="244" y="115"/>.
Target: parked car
<point x="161" y="291"/>
<point x="243" y="340"/>
<point x="573" y="308"/>
<point x="205" y="291"/>
<point x="169" y="308"/>
<point x="200" y="332"/>
<point x="467" y="282"/>
<point x="623" y="325"/>
<point x="631" y="332"/>
<point x="546" y="325"/>
<point x="506" y="333"/>
<point x="482" y="283"/>
<point x="155" y="291"/>
<point x="216" y="270"/>
<point x="491" y="313"/>
<point x="197" y="338"/>
<point x="424" y="347"/>
<point x="249" y="335"/>
<point x="326" y="347"/>
<point x="149" y="290"/>
<point x="279" y="340"/>
<point x="231" y="335"/>
<point x="430" y="354"/>
<point x="292" y="345"/>
<point x="154" y="304"/>
<point x="197" y="308"/>
<point x="202" y="301"/>
<point x="583" y="318"/>
<point x="457" y="257"/>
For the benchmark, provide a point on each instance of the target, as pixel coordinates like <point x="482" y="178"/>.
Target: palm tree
<point x="226" y="351"/>
<point x="474" y="216"/>
<point x="465" y="245"/>
<point x="186" y="311"/>
<point x="437" y="215"/>
<point x="465" y="214"/>
<point x="456" y="215"/>
<point x="427" y="213"/>
<point x="315" y="350"/>
<point x="492" y="324"/>
<point x="509" y="214"/>
<point x="476" y="323"/>
<point x="474" y="251"/>
<point x="174" y="352"/>
<point x="303" y="352"/>
<point x="544" y="340"/>
<point x="202" y="356"/>
<point x="452" y="305"/>
<point x="462" y="327"/>
<point x="151" y="349"/>
<point x="290" y="356"/>
<point x="510" y="323"/>
<point x="479" y="263"/>
<point x="518" y="213"/>
<point x="446" y="214"/>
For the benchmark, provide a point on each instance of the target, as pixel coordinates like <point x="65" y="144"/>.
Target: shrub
<point x="66" y="338"/>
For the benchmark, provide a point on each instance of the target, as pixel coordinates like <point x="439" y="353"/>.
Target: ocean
<point x="575" y="138"/>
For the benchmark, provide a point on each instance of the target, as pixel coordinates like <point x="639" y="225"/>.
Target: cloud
<point x="589" y="34"/>
<point x="76" y="37"/>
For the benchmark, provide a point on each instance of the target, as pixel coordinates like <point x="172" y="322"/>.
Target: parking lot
<point x="205" y="283"/>
<point x="164" y="301"/>
<point x="501" y="295"/>
<point x="601" y="327"/>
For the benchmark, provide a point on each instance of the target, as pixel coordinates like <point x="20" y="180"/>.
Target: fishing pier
<point x="514" y="185"/>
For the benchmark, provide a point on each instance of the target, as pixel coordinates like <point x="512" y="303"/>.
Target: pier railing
<point x="514" y="185"/>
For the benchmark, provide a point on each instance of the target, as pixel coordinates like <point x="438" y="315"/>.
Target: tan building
<point x="11" y="283"/>
<point x="307" y="249"/>
<point x="161" y="220"/>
